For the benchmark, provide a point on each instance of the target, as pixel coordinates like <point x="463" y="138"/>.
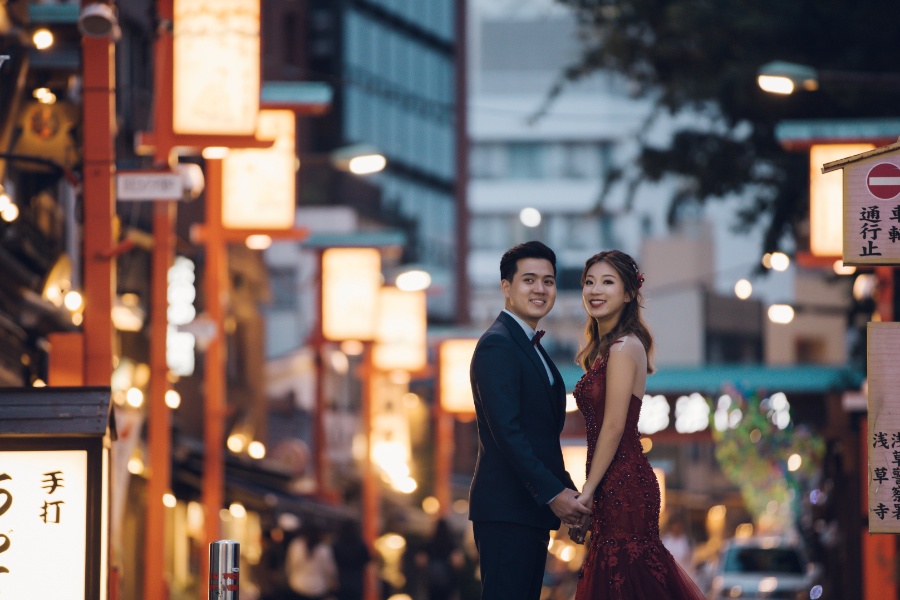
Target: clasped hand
<point x="578" y="531"/>
<point x="569" y="510"/>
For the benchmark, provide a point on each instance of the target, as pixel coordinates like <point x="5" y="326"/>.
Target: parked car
<point x="765" y="568"/>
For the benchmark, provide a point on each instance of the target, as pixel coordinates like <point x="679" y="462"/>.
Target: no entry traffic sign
<point x="883" y="181"/>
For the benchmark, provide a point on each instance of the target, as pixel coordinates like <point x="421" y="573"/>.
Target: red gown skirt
<point x="626" y="559"/>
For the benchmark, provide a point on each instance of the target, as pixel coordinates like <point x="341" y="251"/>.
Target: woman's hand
<point x="586" y="498"/>
<point x="578" y="531"/>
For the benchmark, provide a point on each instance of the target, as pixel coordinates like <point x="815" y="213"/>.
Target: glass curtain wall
<point x="399" y="85"/>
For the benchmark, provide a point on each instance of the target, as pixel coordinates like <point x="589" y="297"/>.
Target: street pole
<point x="215" y="286"/>
<point x="443" y="425"/>
<point x="369" y="500"/>
<point x="98" y="194"/>
<point x="320" y="459"/>
<point x="159" y="435"/>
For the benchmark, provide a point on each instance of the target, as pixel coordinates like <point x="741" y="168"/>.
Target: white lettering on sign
<point x="149" y="186"/>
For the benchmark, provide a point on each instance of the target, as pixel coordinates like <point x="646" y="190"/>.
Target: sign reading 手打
<point x="43" y="526"/>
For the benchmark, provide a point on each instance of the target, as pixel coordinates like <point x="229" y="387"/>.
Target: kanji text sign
<point x="43" y="524"/>
<point x="148" y="185"/>
<point x="872" y="211"/>
<point x="884" y="427"/>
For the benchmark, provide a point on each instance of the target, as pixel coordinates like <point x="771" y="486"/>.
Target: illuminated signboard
<point x="216" y="67"/>
<point x="351" y="279"/>
<point x="258" y="190"/>
<point x="456" y="390"/>
<point x="54" y="492"/>
<point x="400" y="338"/>
<point x="43" y="509"/>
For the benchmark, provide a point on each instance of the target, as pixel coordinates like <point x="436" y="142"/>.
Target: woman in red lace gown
<point x="625" y="557"/>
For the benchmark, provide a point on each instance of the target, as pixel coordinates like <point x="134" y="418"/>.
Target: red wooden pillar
<point x="98" y="58"/>
<point x="216" y="282"/>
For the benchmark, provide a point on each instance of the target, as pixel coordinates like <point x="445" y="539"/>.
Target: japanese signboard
<point x="148" y="185"/>
<point x="216" y="66"/>
<point x="884" y="428"/>
<point x="456" y="391"/>
<point x="871" y="206"/>
<point x="43" y="524"/>
<point x="259" y="188"/>
<point x="54" y="492"/>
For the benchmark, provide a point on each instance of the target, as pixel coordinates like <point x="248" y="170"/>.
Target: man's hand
<point x="569" y="510"/>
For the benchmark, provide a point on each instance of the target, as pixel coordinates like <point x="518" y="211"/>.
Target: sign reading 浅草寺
<point x="871" y="219"/>
<point x="884" y="428"/>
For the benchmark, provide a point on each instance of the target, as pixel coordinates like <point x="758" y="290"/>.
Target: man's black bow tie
<point x="537" y="337"/>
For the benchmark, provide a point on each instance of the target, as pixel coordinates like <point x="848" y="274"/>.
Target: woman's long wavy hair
<point x="630" y="322"/>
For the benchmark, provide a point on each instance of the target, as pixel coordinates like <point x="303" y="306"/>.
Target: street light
<point x="782" y="77"/>
<point x="359" y="159"/>
<point x="99" y="20"/>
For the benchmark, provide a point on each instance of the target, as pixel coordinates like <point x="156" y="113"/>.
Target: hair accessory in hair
<point x="640" y="276"/>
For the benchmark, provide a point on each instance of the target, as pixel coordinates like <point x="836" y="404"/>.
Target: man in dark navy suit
<point x="521" y="489"/>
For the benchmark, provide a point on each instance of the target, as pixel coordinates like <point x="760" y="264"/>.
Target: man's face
<point x="532" y="292"/>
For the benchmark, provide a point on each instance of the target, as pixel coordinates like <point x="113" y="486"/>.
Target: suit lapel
<point x="531" y="352"/>
<point x="558" y="384"/>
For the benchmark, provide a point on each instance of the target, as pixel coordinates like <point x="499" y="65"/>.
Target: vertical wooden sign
<point x="883" y="351"/>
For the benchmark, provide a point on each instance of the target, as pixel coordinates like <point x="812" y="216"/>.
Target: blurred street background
<point x="273" y="229"/>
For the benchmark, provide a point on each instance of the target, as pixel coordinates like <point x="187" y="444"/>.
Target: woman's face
<point x="603" y="293"/>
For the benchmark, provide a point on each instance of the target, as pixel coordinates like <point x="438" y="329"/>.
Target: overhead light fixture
<point x="99" y="20"/>
<point x="780" y="77"/>
<point x="359" y="159"/>
<point x="42" y="39"/>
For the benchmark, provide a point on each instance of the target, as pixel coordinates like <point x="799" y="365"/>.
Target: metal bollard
<point x="224" y="570"/>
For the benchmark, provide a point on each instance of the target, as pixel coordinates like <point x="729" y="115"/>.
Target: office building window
<point x="525" y="160"/>
<point x="283" y="281"/>
<point x="540" y="160"/>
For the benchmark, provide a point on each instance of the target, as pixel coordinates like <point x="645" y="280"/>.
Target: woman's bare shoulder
<point x="632" y="347"/>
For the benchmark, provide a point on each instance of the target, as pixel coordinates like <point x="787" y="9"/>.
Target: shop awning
<point x="305" y="97"/>
<point x="712" y="379"/>
<point x="800" y="134"/>
<point x="257" y="485"/>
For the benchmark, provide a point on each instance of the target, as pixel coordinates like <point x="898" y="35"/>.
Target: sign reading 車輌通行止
<point x="883" y="351"/>
<point x="871" y="206"/>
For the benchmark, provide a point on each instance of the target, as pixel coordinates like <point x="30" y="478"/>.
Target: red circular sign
<point x="883" y="181"/>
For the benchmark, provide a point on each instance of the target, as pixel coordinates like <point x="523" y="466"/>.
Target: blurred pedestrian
<point x="352" y="557"/>
<point x="443" y="560"/>
<point x="679" y="544"/>
<point x="310" y="565"/>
